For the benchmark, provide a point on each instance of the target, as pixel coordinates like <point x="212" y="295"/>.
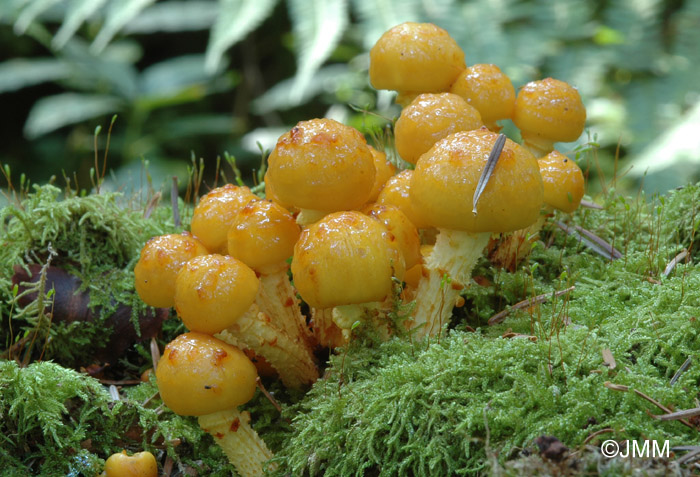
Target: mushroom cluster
<point x="350" y="225"/>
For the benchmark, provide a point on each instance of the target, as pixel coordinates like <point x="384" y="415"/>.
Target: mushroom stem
<point x="325" y="331"/>
<point x="447" y="270"/>
<point x="239" y="441"/>
<point x="514" y="247"/>
<point x="307" y="217"/>
<point x="277" y="299"/>
<point x="292" y="359"/>
<point x="345" y="317"/>
<point x="539" y="147"/>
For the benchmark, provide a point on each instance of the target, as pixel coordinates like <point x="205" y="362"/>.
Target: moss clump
<point x="468" y="402"/>
<point x="56" y="421"/>
<point x="96" y="238"/>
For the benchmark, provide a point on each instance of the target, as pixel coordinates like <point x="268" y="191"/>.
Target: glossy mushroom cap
<point x="429" y="118"/>
<point x="214" y="214"/>
<point x="321" y="164"/>
<point x="396" y="222"/>
<point x="549" y="111"/>
<point x="160" y="260"/>
<point x="419" y="57"/>
<point x="263" y="236"/>
<point x="213" y="291"/>
<point x="488" y="89"/>
<point x="199" y="374"/>
<point x="445" y="178"/>
<point x="344" y="259"/>
<point x="141" y="464"/>
<point x="563" y="181"/>
<point x="396" y="192"/>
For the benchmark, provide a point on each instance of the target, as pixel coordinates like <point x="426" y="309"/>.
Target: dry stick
<point x="676" y="260"/>
<point x="591" y="205"/>
<point x="675" y="416"/>
<point x="597" y="433"/>
<point x="681" y="370"/>
<point x="501" y="316"/>
<point x="689" y="457"/>
<point x="623" y="388"/>
<point x="269" y="396"/>
<point x="592" y="241"/>
<point x="488" y="169"/>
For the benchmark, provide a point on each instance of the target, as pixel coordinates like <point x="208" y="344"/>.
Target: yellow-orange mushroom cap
<point x="321" y="164"/>
<point x="199" y="374"/>
<point x="263" y="235"/>
<point x="141" y="464"/>
<point x="563" y="181"/>
<point x="549" y="111"/>
<point x="345" y="258"/>
<point x="396" y="192"/>
<point x="214" y="214"/>
<point x="488" y="89"/>
<point x="429" y="118"/>
<point x="396" y="222"/>
<point x="445" y="178"/>
<point x="213" y="291"/>
<point x="419" y="57"/>
<point x="160" y="260"/>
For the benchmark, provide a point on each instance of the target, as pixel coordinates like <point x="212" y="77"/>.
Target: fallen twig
<point x="676" y="260"/>
<point x="674" y="416"/>
<point x="501" y="315"/>
<point x="623" y="388"/>
<point x="597" y="433"/>
<point x="681" y="370"/>
<point x="592" y="241"/>
<point x="591" y="205"/>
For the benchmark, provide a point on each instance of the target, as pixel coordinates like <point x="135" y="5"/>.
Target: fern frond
<point x="119" y="14"/>
<point x="236" y="19"/>
<point x="318" y="26"/>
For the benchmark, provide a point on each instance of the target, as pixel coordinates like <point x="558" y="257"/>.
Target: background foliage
<point x="201" y="77"/>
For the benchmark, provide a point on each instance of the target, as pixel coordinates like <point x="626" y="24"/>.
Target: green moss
<point x="96" y="238"/>
<point x="455" y="405"/>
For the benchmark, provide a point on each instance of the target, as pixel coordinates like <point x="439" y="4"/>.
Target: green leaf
<point x="78" y="12"/>
<point x="20" y="73"/>
<point x="30" y="12"/>
<point x="53" y="112"/>
<point x="317" y="26"/>
<point x="174" y="16"/>
<point x="236" y="19"/>
<point x="120" y="13"/>
<point x="171" y="76"/>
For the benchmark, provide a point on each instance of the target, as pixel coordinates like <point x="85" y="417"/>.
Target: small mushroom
<point x="321" y="166"/>
<point x="489" y="90"/>
<point x="160" y="260"/>
<point x="213" y="291"/>
<point x="548" y="111"/>
<point x="442" y="189"/>
<point x="214" y="214"/>
<point x="263" y="236"/>
<point x="414" y="58"/>
<point x="140" y="464"/>
<point x="429" y="118"/>
<point x="199" y="375"/>
<point x="346" y="261"/>
<point x="563" y="184"/>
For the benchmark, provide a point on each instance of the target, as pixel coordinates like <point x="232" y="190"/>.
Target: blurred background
<point x="191" y="80"/>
